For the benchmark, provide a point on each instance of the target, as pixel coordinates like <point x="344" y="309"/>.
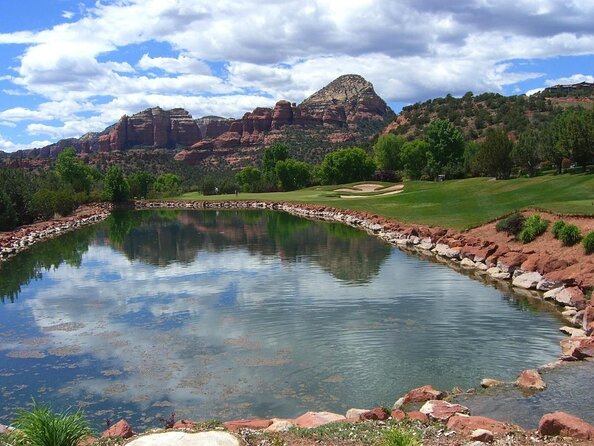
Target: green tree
<point x="446" y="144"/>
<point x="73" y="171"/>
<point x="115" y="186"/>
<point x="526" y="152"/>
<point x="471" y="167"/>
<point x="576" y="135"/>
<point x="8" y="216"/>
<point x="551" y="147"/>
<point x="167" y="184"/>
<point x="18" y="186"/>
<point x="386" y="151"/>
<point x="495" y="154"/>
<point x="414" y="158"/>
<point x="293" y="174"/>
<point x="346" y="166"/>
<point x="273" y="154"/>
<point x="140" y="183"/>
<point x="250" y="179"/>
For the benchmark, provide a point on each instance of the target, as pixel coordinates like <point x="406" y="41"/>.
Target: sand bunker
<point x="383" y="191"/>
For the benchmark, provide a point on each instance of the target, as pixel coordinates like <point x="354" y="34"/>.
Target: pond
<point x="221" y="315"/>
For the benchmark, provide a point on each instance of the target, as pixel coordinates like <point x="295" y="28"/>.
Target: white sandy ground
<point x="210" y="438"/>
<point x="391" y="190"/>
<point x="394" y="192"/>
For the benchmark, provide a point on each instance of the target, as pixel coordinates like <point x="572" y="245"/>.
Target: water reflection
<point x="172" y="236"/>
<point x="237" y="314"/>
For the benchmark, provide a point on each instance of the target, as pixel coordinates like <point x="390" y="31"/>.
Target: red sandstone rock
<point x="511" y="261"/>
<point x="420" y="395"/>
<point x="439" y="410"/>
<point x="228" y="140"/>
<point x="120" y="429"/>
<point x="565" y="425"/>
<point x="464" y="425"/>
<point x="256" y="424"/>
<point x="184" y="424"/>
<point x="530" y="380"/>
<point x="316" y="419"/>
<point x="282" y="114"/>
<point x="377" y="413"/>
<point x="579" y="347"/>
<point x="398" y="414"/>
<point x="572" y="296"/>
<point x="87" y="441"/>
<point x="417" y="415"/>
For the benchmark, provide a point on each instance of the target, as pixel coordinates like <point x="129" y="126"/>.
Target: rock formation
<point x="348" y="99"/>
<point x="153" y="127"/>
<point x="329" y="117"/>
<point x="342" y="105"/>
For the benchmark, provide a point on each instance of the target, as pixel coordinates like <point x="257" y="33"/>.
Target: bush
<point x="557" y="227"/>
<point x="511" y="225"/>
<point x="400" y="437"/>
<point x="533" y="227"/>
<point x="570" y="235"/>
<point x="42" y="427"/>
<point x="588" y="243"/>
<point x="389" y="176"/>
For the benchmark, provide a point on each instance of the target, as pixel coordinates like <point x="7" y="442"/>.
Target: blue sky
<point x="70" y="67"/>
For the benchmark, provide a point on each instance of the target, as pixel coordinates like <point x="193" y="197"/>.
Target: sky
<point x="69" y="67"/>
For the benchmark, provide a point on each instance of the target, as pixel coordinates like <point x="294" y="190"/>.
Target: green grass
<point x="457" y="204"/>
<point x="40" y="426"/>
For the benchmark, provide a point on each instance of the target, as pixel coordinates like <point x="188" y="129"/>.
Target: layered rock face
<point x="153" y="127"/>
<point x="330" y="116"/>
<point x="341" y="105"/>
<point x="348" y="99"/>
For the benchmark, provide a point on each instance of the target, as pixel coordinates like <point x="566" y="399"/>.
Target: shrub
<point x="512" y="224"/>
<point x="42" y="427"/>
<point x="588" y="243"/>
<point x="533" y="227"/>
<point x="557" y="227"/>
<point x="570" y="235"/>
<point x="400" y="437"/>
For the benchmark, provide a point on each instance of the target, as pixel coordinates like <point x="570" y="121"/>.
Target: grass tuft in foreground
<point x="40" y="426"/>
<point x="400" y="437"/>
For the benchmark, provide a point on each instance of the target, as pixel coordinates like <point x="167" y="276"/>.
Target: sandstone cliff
<point x="333" y="115"/>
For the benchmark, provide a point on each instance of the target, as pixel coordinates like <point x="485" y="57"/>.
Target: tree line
<point x="26" y="196"/>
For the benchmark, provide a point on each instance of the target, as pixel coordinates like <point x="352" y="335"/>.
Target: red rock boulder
<point x="565" y="425"/>
<point x="439" y="410"/>
<point x="316" y="419"/>
<point x="256" y="424"/>
<point x="377" y="413"/>
<point x="419" y="395"/>
<point x="120" y="429"/>
<point x="578" y="348"/>
<point x="530" y="380"/>
<point x="465" y="425"/>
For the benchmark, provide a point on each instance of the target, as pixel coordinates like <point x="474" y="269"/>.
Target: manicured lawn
<point x="456" y="204"/>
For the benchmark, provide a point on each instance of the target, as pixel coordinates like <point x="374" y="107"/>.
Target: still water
<point x="219" y="315"/>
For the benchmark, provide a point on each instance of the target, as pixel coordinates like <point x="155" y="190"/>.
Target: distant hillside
<point x="473" y="115"/>
<point x="347" y="111"/>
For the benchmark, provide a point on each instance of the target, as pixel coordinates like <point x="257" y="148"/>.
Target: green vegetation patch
<point x="533" y="227"/>
<point x="457" y="204"/>
<point x="367" y="432"/>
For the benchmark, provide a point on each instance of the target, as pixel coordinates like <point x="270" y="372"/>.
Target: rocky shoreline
<point x="22" y="238"/>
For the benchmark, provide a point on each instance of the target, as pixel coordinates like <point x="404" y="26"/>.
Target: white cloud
<point x="574" y="79"/>
<point x="410" y="50"/>
<point x="180" y="65"/>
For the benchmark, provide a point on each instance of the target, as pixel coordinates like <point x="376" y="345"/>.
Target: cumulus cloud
<point x="410" y="50"/>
